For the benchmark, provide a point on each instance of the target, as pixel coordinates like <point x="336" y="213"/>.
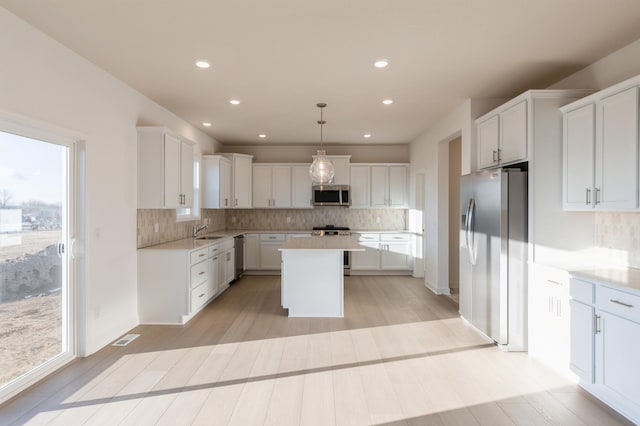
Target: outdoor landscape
<point x="30" y="293"/>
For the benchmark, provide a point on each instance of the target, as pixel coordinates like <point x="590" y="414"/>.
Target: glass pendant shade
<point x="321" y="170"/>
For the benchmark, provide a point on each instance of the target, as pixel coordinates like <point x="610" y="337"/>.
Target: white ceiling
<point x="281" y="57"/>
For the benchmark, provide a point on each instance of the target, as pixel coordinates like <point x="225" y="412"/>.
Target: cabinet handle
<point x="493" y="155"/>
<point x="597" y="324"/>
<point x="202" y="295"/>
<point x="499" y="156"/>
<point x="626" y="305"/>
<point x="588" y="201"/>
<point x="236" y="202"/>
<point x="559" y="307"/>
<point x="554" y="282"/>
<point x="226" y="202"/>
<point x="201" y="255"/>
<point x="201" y="273"/>
<point x="597" y="195"/>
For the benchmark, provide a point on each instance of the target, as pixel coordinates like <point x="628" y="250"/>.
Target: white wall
<point x="43" y="80"/>
<point x="429" y="153"/>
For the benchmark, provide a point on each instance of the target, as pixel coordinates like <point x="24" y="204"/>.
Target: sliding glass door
<point x="36" y="222"/>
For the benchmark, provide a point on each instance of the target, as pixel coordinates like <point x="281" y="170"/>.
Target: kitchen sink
<point x="209" y="237"/>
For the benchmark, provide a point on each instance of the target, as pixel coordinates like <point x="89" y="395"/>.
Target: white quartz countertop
<point x="626" y="278"/>
<point x="323" y="243"/>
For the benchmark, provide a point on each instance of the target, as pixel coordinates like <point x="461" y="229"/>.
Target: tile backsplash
<point x="264" y="219"/>
<point x="305" y="219"/>
<point x="619" y="233"/>
<point x="169" y="229"/>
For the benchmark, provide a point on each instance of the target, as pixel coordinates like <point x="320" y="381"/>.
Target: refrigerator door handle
<point x="470" y="231"/>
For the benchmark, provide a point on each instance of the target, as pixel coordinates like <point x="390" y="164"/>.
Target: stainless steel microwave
<point x="331" y="195"/>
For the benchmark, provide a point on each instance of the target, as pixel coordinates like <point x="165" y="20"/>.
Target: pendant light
<point x="321" y="170"/>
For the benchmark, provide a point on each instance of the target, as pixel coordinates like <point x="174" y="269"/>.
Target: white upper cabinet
<point x="600" y="147"/>
<point x="389" y="186"/>
<point x="271" y="186"/>
<point x="502" y="136"/>
<point x="360" y="186"/>
<point x="216" y="182"/>
<point x="241" y="172"/>
<point x="578" y="158"/>
<point x="341" y="169"/>
<point x="300" y="187"/>
<point x="617" y="152"/>
<point x="488" y="140"/>
<point x="165" y="169"/>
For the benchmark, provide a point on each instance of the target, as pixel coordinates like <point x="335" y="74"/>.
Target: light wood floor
<point x="400" y="356"/>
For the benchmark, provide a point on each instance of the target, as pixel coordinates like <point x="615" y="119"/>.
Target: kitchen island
<point x="313" y="275"/>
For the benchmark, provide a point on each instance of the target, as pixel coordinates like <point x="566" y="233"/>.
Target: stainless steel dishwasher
<point x="239" y="256"/>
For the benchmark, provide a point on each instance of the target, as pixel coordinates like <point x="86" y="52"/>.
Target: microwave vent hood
<point x="331" y="195"/>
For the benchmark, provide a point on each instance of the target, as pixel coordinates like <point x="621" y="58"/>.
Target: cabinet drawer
<point x="199" y="273"/>
<point x="395" y="238"/>
<point x="198" y="255"/>
<point x="582" y="291"/>
<point x="272" y="237"/>
<point x="199" y="296"/>
<point x="368" y="237"/>
<point x="618" y="302"/>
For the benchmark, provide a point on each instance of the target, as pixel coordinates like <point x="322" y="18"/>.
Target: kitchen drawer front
<point x="618" y="302"/>
<point x="395" y="238"/>
<point x="368" y="238"/>
<point x="199" y="273"/>
<point x="199" y="296"/>
<point x="582" y="291"/>
<point x="272" y="237"/>
<point x="199" y="255"/>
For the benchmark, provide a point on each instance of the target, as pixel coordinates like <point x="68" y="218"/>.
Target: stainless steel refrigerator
<point x="493" y="255"/>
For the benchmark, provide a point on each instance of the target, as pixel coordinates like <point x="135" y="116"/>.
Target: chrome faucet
<point x="198" y="228"/>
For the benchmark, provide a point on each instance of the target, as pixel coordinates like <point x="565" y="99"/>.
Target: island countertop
<point x="344" y="243"/>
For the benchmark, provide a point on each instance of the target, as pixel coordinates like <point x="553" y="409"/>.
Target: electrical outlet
<point x="377" y="219"/>
<point x="288" y="219"/>
<point x="156" y="227"/>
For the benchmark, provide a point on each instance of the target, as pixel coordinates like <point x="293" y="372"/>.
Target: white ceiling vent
<point x="125" y="340"/>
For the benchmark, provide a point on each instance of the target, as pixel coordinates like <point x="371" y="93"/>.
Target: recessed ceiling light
<point x="234" y="102"/>
<point x="366" y="135"/>
<point x="381" y="63"/>
<point x="262" y="135"/>
<point x="202" y="64"/>
<point x="387" y="101"/>
<point x="206" y="124"/>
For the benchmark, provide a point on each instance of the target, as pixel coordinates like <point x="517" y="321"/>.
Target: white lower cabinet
<point x="605" y="343"/>
<point x="175" y="284"/>
<point x="270" y="258"/>
<point x="549" y="317"/>
<point x="251" y="252"/>
<point x="383" y="252"/>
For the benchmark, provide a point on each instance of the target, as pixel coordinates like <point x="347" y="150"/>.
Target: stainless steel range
<point x="331" y="231"/>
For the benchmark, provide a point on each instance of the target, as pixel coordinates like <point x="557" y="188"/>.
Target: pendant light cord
<point x="321" y="122"/>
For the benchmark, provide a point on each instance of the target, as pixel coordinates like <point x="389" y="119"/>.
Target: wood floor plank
<point x="400" y="356"/>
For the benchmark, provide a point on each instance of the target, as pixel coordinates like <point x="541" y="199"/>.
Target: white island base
<point x="313" y="275"/>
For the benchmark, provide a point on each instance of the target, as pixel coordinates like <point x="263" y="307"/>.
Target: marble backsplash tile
<point x="305" y="219"/>
<point x="264" y="219"/>
<point x="169" y="229"/>
<point x="619" y="233"/>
